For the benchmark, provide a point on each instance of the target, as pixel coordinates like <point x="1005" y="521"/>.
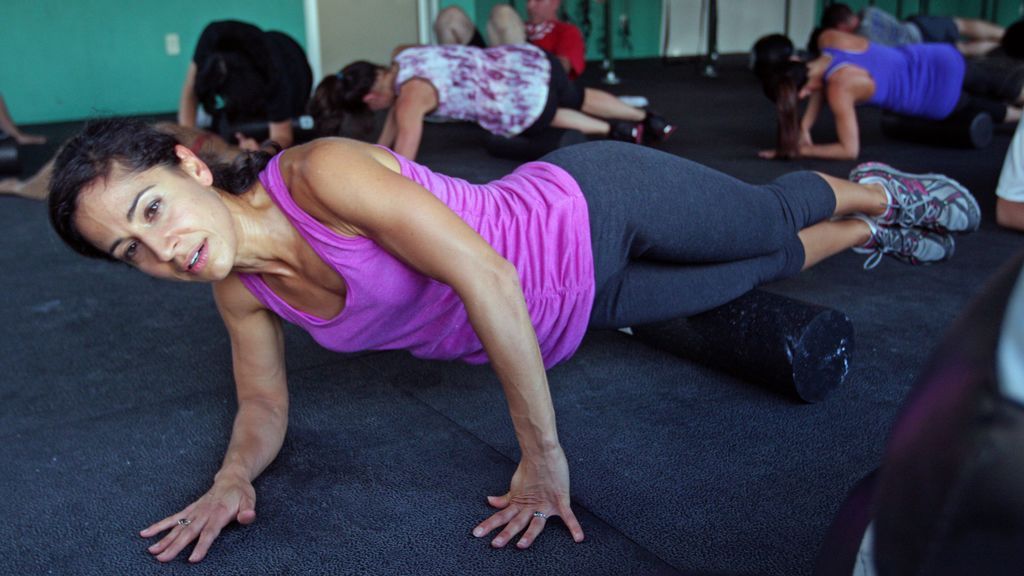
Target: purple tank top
<point x="536" y="217"/>
<point x="923" y="80"/>
<point x="503" y="89"/>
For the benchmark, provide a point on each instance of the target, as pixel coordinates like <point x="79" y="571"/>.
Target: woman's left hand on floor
<point x="540" y="485"/>
<point x="768" y="154"/>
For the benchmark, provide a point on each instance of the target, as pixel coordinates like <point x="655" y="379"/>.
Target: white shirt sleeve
<point x="1011" y="179"/>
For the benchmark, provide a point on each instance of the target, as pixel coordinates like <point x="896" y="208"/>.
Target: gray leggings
<point x="673" y="238"/>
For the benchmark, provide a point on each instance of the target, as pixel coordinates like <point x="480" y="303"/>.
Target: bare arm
<point x="257" y="348"/>
<point x="418" y="97"/>
<point x="810" y="114"/>
<point x="367" y="194"/>
<point x="282" y="133"/>
<point x="187" y="102"/>
<point x="841" y="100"/>
<point x="1010" y="214"/>
<point x="389" y="131"/>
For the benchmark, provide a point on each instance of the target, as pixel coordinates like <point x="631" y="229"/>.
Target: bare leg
<point x="505" y="26"/>
<point x="826" y="239"/>
<point x="8" y="126"/>
<point x="453" y="26"/>
<point x="853" y="198"/>
<point x="576" y="120"/>
<point x="976" y="47"/>
<point x="604" y="105"/>
<point x="35" y="188"/>
<point x="974" y="29"/>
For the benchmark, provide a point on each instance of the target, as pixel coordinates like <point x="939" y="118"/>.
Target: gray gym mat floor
<point x="116" y="402"/>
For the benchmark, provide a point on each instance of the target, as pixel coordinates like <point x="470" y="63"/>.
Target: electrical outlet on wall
<point x="172" y="44"/>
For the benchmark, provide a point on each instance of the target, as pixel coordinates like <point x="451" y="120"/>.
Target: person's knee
<point x="453" y="26"/>
<point x="505" y="26"/>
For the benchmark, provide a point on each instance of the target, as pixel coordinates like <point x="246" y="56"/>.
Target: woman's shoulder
<point x="325" y="154"/>
<point x="327" y="165"/>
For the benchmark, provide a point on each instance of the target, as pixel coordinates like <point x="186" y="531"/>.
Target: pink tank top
<point x="536" y="217"/>
<point x="503" y="89"/>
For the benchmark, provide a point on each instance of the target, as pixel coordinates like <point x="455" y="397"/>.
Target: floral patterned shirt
<point x="503" y="89"/>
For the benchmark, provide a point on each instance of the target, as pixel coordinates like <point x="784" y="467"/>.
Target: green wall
<point x="1002" y="11"/>
<point x="72" y="59"/>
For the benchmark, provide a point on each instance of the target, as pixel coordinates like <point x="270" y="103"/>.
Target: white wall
<point x="740" y="23"/>
<point x="352" y="30"/>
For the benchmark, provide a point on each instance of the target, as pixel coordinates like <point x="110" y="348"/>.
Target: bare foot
<point x="10" y="186"/>
<point x="31" y="139"/>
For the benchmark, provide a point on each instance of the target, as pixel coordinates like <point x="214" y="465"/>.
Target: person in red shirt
<point x="544" y="29"/>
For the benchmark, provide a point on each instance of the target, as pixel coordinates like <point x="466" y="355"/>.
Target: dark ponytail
<point x="242" y="173"/>
<point x="782" y="86"/>
<point x="337" y="106"/>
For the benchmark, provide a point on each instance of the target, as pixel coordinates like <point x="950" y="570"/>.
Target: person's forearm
<point x="811" y="113"/>
<point x="503" y="324"/>
<point x="256" y="438"/>
<point x="282" y="133"/>
<point x="188" y="103"/>
<point x="187" y="108"/>
<point x="407" y="142"/>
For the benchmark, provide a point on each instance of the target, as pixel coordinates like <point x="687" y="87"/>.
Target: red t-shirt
<point x="561" y="39"/>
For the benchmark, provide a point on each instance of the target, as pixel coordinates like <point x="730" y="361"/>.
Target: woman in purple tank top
<point x="929" y="81"/>
<point x="365" y="249"/>
<point x="507" y="90"/>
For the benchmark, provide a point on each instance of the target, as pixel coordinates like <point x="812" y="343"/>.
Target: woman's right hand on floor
<point x="232" y="498"/>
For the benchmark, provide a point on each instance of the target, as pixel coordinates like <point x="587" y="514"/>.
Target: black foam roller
<point x="9" y="163"/>
<point x="794" y="347"/>
<point x="525" y="148"/>
<point x="965" y="128"/>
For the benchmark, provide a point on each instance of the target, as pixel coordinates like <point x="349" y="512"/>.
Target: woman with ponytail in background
<point x="921" y="80"/>
<point x="507" y="90"/>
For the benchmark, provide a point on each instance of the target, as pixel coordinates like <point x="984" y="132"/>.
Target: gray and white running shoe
<point x="910" y="245"/>
<point x="930" y="201"/>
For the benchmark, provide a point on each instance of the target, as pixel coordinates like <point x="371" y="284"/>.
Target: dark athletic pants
<point x="673" y="238"/>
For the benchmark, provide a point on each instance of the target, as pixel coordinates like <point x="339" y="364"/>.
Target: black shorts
<point x="936" y="28"/>
<point x="991" y="85"/>
<point x="562" y="93"/>
<point x="477" y="39"/>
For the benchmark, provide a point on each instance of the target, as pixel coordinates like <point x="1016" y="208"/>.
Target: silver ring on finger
<point x="184" y="522"/>
<point x="540" y="514"/>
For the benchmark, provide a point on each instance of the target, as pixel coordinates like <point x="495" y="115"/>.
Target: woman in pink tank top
<point x="507" y="90"/>
<point x="368" y="250"/>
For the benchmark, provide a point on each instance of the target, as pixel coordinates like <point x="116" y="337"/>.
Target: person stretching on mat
<point x="921" y="80"/>
<point x="972" y="37"/>
<point x="204" y="144"/>
<point x="507" y="90"/>
<point x="240" y="74"/>
<point x="367" y="250"/>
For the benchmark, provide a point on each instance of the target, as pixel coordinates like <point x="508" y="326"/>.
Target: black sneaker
<point x="626" y="131"/>
<point x="656" y="129"/>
